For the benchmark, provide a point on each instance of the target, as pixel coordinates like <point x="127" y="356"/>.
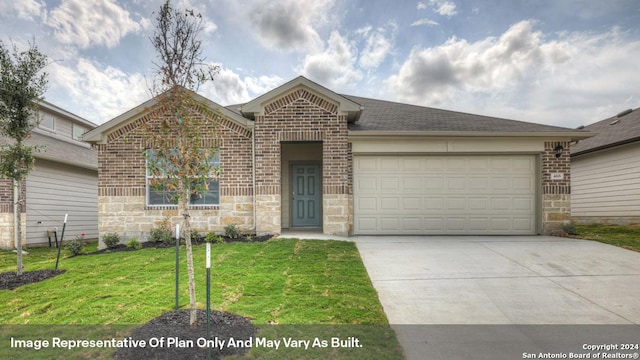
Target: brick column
<point x="556" y="187"/>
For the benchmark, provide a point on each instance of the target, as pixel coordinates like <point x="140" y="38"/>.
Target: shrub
<point x="75" y="246"/>
<point x="111" y="240"/>
<point x="162" y="233"/>
<point x="134" y="244"/>
<point x="232" y="231"/>
<point x="213" y="238"/>
<point x="248" y="238"/>
<point x="195" y="235"/>
<point x="570" y="229"/>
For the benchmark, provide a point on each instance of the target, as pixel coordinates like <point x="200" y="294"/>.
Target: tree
<point x="22" y="83"/>
<point x="179" y="157"/>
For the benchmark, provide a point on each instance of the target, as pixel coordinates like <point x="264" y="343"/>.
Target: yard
<point x="310" y="288"/>
<point x="627" y="237"/>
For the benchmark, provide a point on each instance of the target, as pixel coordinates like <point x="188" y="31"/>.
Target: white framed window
<point x="78" y="131"/>
<point x="47" y="122"/>
<point x="159" y="195"/>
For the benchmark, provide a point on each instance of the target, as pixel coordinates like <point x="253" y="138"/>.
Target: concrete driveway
<point x="501" y="280"/>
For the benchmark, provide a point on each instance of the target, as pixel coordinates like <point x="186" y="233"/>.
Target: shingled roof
<point x="614" y="131"/>
<point x="380" y="115"/>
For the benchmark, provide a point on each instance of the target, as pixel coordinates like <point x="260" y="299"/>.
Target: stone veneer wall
<point x="122" y="178"/>
<point x="556" y="194"/>
<point x="301" y="116"/>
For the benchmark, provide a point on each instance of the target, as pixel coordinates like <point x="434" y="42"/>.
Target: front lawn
<point x="627" y="236"/>
<point x="282" y="281"/>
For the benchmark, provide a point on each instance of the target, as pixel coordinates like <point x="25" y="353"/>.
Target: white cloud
<point x="229" y="88"/>
<point x="95" y="91"/>
<point x="377" y="47"/>
<point x="425" y="21"/>
<point x="23" y="9"/>
<point x="90" y="23"/>
<point x="288" y="25"/>
<point x="442" y="7"/>
<point x="524" y="76"/>
<point x="335" y="66"/>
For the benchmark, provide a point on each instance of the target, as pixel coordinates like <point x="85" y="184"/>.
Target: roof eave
<point x="574" y="135"/>
<point x="97" y="135"/>
<point x="606" y="146"/>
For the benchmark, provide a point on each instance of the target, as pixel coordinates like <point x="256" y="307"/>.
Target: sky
<point x="557" y="62"/>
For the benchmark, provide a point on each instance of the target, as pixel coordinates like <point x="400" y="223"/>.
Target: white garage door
<point x="490" y="194"/>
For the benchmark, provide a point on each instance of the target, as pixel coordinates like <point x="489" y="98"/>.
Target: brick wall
<point x="122" y="179"/>
<point x="301" y="116"/>
<point x="556" y="192"/>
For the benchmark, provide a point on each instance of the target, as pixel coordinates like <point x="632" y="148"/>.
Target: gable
<point x="300" y="95"/>
<point x="302" y="88"/>
<point x="133" y="118"/>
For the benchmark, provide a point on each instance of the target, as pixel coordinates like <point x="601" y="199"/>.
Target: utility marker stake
<point x="64" y="225"/>
<point x="208" y="263"/>
<point x="177" y="264"/>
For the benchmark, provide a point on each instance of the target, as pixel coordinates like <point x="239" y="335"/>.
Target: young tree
<point x="179" y="157"/>
<point x="22" y="84"/>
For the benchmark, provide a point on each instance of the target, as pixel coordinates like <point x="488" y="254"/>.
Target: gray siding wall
<point x="605" y="186"/>
<point x="54" y="189"/>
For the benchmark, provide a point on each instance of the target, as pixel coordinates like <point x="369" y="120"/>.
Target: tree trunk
<point x="17" y="209"/>
<point x="183" y="204"/>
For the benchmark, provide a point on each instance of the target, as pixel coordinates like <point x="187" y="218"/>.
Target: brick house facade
<point x="302" y="126"/>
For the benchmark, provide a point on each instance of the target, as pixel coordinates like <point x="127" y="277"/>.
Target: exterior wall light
<point x="558" y="149"/>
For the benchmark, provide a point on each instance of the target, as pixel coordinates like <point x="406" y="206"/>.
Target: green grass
<point x="627" y="236"/>
<point x="283" y="281"/>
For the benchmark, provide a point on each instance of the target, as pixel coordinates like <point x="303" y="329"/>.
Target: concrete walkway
<point x="500" y="280"/>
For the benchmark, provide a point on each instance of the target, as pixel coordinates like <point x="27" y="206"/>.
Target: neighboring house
<point x="64" y="180"/>
<point x="605" y="169"/>
<point x="303" y="156"/>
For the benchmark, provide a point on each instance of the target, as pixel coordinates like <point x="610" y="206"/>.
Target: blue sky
<point x="559" y="62"/>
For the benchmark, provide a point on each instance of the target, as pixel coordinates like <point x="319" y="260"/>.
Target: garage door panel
<point x="389" y="225"/>
<point x="456" y="184"/>
<point x="429" y="194"/>
<point x="479" y="204"/>
<point x="411" y="204"/>
<point x="390" y="184"/>
<point x="389" y="204"/>
<point x="434" y="204"/>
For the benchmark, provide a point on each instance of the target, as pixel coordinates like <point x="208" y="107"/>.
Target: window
<point x="78" y="131"/>
<point x="159" y="195"/>
<point x="47" y="122"/>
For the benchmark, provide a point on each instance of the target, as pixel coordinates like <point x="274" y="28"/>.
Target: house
<point x="303" y="156"/>
<point x="605" y="170"/>
<point x="64" y="180"/>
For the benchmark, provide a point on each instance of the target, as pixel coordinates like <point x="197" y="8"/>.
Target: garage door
<point x="491" y="194"/>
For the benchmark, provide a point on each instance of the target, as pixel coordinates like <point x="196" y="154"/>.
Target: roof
<point x="387" y="116"/>
<point x="99" y="134"/>
<point x="371" y="117"/>
<point x="620" y="129"/>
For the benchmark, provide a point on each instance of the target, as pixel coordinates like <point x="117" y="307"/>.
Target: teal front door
<point x="306" y="196"/>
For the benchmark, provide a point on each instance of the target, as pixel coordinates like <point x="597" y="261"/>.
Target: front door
<point x="306" y="195"/>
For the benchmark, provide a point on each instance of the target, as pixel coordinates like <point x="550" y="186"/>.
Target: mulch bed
<point x="175" y="326"/>
<point x="10" y="281"/>
<point x="161" y="245"/>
